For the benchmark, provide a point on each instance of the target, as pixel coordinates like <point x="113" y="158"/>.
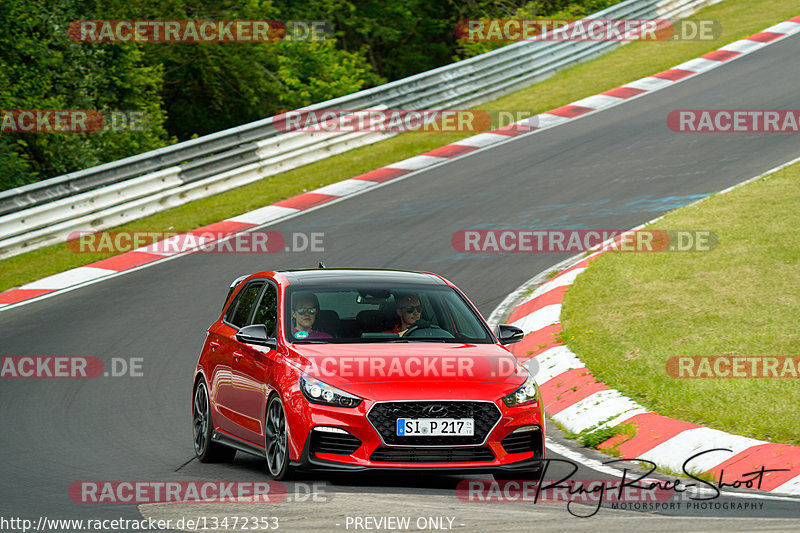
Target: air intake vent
<point x="432" y="455"/>
<point x="524" y="442"/>
<point x="335" y="443"/>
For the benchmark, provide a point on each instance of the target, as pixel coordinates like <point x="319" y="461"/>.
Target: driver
<point x="304" y="314"/>
<point x="409" y="310"/>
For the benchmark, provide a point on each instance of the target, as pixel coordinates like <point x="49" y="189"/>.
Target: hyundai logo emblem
<point x="435" y="410"/>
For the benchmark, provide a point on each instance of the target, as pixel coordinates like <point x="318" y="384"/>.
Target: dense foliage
<point x="191" y="89"/>
<point x="42" y="69"/>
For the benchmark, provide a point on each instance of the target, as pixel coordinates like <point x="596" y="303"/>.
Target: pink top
<point x="313" y="334"/>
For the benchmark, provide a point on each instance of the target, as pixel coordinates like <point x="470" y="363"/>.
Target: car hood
<point x="414" y="370"/>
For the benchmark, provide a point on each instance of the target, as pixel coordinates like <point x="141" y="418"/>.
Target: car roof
<point x="349" y="276"/>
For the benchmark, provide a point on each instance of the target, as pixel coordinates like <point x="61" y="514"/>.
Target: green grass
<point x="629" y="313"/>
<point x="739" y="18"/>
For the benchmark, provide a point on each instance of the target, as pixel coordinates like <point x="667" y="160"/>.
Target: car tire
<point x="206" y="450"/>
<point x="277" y="440"/>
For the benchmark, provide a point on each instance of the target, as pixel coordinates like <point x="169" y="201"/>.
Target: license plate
<point x="464" y="427"/>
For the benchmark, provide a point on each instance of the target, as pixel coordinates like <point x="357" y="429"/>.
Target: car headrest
<point x="328" y="321"/>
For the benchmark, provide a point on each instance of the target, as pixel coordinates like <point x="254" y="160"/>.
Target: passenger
<point x="304" y="313"/>
<point x="409" y="310"/>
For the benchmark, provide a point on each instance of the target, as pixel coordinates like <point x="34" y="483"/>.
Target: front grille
<point x="384" y="415"/>
<point x="432" y="455"/>
<point x="335" y="443"/>
<point x="522" y="442"/>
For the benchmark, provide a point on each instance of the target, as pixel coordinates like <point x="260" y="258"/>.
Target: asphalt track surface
<point x="611" y="170"/>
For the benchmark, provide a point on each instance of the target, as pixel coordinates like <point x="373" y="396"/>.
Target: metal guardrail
<point x="107" y="195"/>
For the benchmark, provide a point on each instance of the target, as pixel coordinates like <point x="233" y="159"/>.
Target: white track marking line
<point x="69" y="278"/>
<point x="594" y="409"/>
<point x="264" y="214"/>
<point x="483" y="139"/>
<point x="344" y="188"/>
<point x="674" y="451"/>
<point x="417" y="162"/>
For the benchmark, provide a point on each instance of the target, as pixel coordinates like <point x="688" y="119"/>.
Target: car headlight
<point x="317" y="391"/>
<point x="528" y="392"/>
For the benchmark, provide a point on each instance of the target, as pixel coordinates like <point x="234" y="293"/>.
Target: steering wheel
<point x="425" y="328"/>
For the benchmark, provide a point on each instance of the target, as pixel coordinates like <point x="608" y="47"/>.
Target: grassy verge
<point x="630" y="313"/>
<point x="738" y="18"/>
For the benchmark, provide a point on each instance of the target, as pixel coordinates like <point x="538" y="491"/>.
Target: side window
<point x="240" y="309"/>
<point x="267" y="310"/>
<point x="232" y="288"/>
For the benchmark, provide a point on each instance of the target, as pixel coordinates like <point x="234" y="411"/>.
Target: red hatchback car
<point x="353" y="370"/>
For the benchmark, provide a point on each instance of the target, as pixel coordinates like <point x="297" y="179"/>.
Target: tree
<point x="42" y="69"/>
<point x="212" y="86"/>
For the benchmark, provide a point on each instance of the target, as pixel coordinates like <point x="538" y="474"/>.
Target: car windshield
<point x="378" y="314"/>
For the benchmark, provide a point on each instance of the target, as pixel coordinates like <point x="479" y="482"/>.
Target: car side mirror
<point x="509" y="334"/>
<point x="256" y="334"/>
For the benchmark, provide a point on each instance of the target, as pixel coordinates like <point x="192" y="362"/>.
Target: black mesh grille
<point x="383" y="417"/>
<point x="336" y="443"/>
<point x="432" y="455"/>
<point x="528" y="441"/>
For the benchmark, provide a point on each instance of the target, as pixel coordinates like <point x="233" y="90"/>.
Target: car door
<point x="253" y="368"/>
<point x="226" y="349"/>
